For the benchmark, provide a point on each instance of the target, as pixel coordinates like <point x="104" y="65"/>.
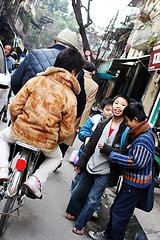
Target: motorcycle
<point x="23" y="161"/>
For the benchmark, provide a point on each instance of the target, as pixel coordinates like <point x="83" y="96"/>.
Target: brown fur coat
<point x="43" y="112"/>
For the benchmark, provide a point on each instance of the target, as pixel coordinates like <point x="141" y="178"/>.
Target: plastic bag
<point x="74" y="157"/>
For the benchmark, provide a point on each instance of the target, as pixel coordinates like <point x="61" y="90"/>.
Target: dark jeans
<point x="122" y="210"/>
<point x="75" y="181"/>
<point x="86" y="196"/>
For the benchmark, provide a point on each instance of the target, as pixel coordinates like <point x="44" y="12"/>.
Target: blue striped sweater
<point x="138" y="164"/>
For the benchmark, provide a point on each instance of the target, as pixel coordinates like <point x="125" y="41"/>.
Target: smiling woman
<point x="97" y="171"/>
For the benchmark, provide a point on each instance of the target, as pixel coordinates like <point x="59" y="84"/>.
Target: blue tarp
<point x="105" y="76"/>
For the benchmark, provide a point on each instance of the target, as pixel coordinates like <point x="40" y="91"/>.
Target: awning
<point x="119" y="64"/>
<point x="133" y="3"/>
<point x="5" y="30"/>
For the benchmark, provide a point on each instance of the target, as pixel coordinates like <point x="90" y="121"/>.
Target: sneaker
<point x="4" y="174"/>
<point x="34" y="186"/>
<point x="97" y="235"/>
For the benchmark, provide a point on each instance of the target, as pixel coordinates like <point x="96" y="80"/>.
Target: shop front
<point x="131" y="76"/>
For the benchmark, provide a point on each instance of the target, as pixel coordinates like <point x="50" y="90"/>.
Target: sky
<point x="102" y="11"/>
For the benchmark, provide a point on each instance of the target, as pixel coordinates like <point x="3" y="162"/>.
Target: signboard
<point x="154" y="63"/>
<point x="104" y="67"/>
<point x="87" y="53"/>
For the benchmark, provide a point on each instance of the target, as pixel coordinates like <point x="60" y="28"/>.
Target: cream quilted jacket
<point x="43" y="112"/>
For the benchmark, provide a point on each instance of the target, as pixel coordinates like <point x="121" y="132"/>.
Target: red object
<point x="21" y="164"/>
<point x="87" y="53"/>
<point x="78" y="129"/>
<point x="154" y="63"/>
<point x="110" y="132"/>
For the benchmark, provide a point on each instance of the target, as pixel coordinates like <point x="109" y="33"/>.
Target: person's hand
<point x="86" y="140"/>
<point x="77" y="169"/>
<point x="100" y="145"/>
<point x="104" y="148"/>
<point x="78" y="129"/>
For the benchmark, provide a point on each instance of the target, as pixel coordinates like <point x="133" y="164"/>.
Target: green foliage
<point x="55" y="5"/>
<point x="152" y="41"/>
<point x="26" y="17"/>
<point x="56" y="9"/>
<point x="141" y="4"/>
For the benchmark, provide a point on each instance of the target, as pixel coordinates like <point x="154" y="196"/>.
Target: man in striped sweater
<point x="137" y="173"/>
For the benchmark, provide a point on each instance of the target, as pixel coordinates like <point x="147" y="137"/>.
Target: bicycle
<point x="12" y="193"/>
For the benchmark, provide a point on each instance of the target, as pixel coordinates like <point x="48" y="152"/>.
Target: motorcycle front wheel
<point x="5" y="213"/>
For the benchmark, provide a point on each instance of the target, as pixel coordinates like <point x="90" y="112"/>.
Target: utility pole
<point x="110" y="34"/>
<point x="104" y="38"/>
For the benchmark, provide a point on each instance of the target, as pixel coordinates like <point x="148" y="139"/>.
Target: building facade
<point x="131" y="70"/>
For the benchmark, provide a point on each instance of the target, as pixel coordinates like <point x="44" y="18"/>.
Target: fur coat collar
<point x="64" y="77"/>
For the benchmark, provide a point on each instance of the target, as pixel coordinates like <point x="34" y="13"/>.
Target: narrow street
<point x="122" y="42"/>
<point x="45" y="219"/>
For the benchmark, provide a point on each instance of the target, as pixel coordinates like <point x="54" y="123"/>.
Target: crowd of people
<point x="54" y="93"/>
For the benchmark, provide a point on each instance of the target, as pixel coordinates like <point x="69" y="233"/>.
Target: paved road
<point x="45" y="219"/>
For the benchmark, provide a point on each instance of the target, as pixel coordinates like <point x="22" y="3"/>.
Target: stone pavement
<point x="99" y="224"/>
<point x="150" y="222"/>
<point x="146" y="223"/>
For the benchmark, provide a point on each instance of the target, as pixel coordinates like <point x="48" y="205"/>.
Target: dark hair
<point x="106" y="101"/>
<point x="70" y="59"/>
<point x="122" y="96"/>
<point x="89" y="66"/>
<point x="132" y="100"/>
<point x="135" y="110"/>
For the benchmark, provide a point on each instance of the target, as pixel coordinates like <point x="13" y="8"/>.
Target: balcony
<point x="142" y="36"/>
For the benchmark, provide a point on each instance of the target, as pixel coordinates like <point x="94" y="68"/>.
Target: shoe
<point x="97" y="235"/>
<point x="95" y="214"/>
<point x="4" y="174"/>
<point x="34" y="186"/>
<point x="4" y="119"/>
<point x="78" y="232"/>
<point x="70" y="217"/>
<point x="58" y="167"/>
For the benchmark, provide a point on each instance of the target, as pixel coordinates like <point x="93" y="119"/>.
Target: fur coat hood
<point x="64" y="77"/>
<point x="43" y="112"/>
